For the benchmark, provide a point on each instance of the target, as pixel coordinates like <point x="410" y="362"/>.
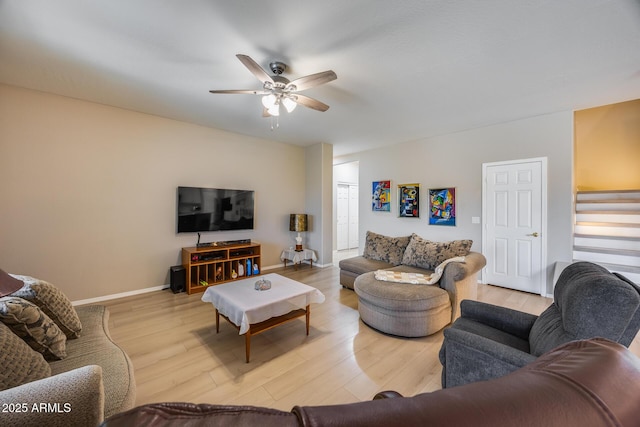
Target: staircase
<point x="607" y="230"/>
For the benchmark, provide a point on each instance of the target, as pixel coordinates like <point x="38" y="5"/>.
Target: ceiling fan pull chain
<point x="277" y="122"/>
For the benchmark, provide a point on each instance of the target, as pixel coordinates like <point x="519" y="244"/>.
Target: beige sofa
<point x="412" y="309"/>
<point x="93" y="380"/>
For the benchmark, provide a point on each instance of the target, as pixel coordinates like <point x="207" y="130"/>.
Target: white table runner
<point x="243" y="305"/>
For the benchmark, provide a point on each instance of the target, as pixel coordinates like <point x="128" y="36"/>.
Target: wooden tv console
<point x="217" y="264"/>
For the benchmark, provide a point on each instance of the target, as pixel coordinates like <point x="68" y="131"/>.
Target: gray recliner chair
<point x="489" y="341"/>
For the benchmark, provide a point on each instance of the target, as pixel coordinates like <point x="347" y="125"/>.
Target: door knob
<point x="534" y="234"/>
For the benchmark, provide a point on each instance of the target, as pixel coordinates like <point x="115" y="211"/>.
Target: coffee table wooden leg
<point x="247" y="344"/>
<point x="308" y="315"/>
<point x="217" y="321"/>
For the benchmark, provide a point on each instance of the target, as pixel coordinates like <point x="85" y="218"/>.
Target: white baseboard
<point x="120" y="295"/>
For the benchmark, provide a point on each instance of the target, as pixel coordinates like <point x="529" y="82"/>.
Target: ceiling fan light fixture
<point x="269" y="101"/>
<point x="277" y="89"/>
<point x="274" y="110"/>
<point x="289" y="104"/>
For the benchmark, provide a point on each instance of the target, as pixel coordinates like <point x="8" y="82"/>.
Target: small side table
<point x="297" y="257"/>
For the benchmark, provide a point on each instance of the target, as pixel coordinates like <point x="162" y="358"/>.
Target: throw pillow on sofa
<point x="19" y="364"/>
<point x="52" y="301"/>
<point x="384" y="248"/>
<point x="28" y="322"/>
<point x="423" y="253"/>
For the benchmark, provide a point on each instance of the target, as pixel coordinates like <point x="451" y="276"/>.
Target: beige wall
<point x="88" y="191"/>
<point x="455" y="160"/>
<point x="607" y="149"/>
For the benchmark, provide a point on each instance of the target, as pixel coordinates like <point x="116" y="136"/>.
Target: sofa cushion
<point x="19" y="364"/>
<point x="28" y="322"/>
<point x="95" y="347"/>
<point x="384" y="248"/>
<point x="404" y="297"/>
<point x="426" y="254"/>
<point x="361" y="265"/>
<point x="8" y="284"/>
<point x="52" y="301"/>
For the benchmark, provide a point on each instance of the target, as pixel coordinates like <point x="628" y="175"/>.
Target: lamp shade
<point x="274" y="110"/>
<point x="269" y="101"/>
<point x="289" y="104"/>
<point x="298" y="222"/>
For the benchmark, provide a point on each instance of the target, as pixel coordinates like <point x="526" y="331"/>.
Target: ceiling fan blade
<point x="250" y="92"/>
<point x="313" y="80"/>
<point x="255" y="69"/>
<point x="311" y="103"/>
<point x="265" y="112"/>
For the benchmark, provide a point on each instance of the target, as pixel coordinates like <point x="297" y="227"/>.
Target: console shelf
<point x="214" y="265"/>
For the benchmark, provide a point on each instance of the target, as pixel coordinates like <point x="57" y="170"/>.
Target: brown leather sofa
<point x="583" y="383"/>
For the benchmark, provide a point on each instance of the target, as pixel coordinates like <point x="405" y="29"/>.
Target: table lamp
<point x="298" y="222"/>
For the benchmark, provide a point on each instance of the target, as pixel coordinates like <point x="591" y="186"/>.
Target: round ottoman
<point x="402" y="309"/>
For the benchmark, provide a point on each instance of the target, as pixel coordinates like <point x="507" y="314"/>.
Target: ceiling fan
<point x="278" y="91"/>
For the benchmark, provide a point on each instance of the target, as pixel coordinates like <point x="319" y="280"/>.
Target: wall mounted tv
<point x="214" y="209"/>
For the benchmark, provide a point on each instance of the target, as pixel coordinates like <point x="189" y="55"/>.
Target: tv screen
<point x="214" y="209"/>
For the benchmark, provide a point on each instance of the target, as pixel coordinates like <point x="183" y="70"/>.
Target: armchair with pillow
<point x="488" y="341"/>
<point x="58" y="364"/>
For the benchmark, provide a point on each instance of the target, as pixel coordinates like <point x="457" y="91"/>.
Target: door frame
<point x="543" y="215"/>
<point x="349" y="186"/>
<point x="355" y="229"/>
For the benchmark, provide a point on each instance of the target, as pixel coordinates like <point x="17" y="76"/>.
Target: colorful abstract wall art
<point x="381" y="196"/>
<point x="409" y="200"/>
<point x="442" y="206"/>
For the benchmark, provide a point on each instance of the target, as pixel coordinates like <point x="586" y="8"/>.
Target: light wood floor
<point x="178" y="356"/>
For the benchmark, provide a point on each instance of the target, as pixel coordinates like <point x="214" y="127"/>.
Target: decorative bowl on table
<point x="263" y="285"/>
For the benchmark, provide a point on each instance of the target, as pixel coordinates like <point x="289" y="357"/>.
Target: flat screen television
<point x="213" y="209"/>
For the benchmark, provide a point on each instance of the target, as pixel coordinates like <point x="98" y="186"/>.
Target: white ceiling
<point x="406" y="69"/>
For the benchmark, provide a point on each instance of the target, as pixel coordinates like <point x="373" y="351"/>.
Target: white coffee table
<point x="252" y="311"/>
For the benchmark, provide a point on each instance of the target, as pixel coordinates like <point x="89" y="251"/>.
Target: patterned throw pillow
<point x="19" y="364"/>
<point x="53" y="302"/>
<point x="28" y="322"/>
<point x="384" y="248"/>
<point x="426" y="254"/>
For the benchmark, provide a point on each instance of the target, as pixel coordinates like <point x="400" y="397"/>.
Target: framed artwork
<point x="442" y="206"/>
<point x="409" y="200"/>
<point x="381" y="196"/>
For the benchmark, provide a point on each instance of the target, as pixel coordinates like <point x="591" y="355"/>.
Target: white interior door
<point x="353" y="216"/>
<point x="342" y="217"/>
<point x="514" y="217"/>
